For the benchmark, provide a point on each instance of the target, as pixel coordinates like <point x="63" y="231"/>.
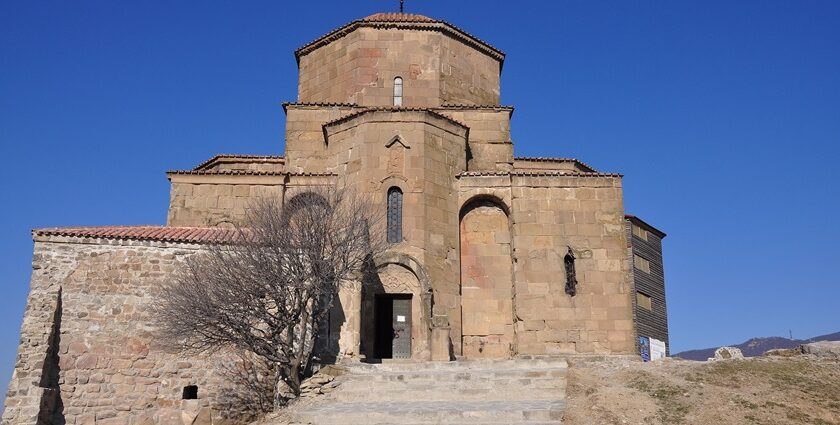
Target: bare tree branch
<point x="270" y="290"/>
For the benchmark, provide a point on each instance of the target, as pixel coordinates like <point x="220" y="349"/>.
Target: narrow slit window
<point x="571" y="278"/>
<point x="398" y="91"/>
<point x="395" y="201"/>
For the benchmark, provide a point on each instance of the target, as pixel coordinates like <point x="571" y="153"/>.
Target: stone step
<point x="438" y="412"/>
<point x="476" y="384"/>
<point x="455" y="375"/>
<point x="510" y="384"/>
<point x="520" y="391"/>
<point x="408" y="365"/>
<point x="430" y="393"/>
<point x="508" y="380"/>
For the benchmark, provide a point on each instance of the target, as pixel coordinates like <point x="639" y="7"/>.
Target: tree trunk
<point x="279" y="387"/>
<point x="294" y="377"/>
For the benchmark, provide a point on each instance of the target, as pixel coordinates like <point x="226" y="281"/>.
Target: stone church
<point x="490" y="255"/>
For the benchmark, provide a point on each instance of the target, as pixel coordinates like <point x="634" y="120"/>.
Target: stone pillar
<point x="441" y="347"/>
<point x="356" y="319"/>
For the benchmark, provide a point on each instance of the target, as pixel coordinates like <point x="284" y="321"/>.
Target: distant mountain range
<point x="756" y="346"/>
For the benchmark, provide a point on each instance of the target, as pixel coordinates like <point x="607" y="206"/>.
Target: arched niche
<point x="486" y="279"/>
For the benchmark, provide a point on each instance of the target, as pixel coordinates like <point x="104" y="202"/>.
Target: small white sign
<point x="400" y="318"/>
<point x="657" y="349"/>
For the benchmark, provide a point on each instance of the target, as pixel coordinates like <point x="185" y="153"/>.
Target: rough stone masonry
<point x="483" y="244"/>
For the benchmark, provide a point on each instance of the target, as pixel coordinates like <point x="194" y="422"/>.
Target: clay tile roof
<point x="470" y="106"/>
<point x="235" y="156"/>
<point x="144" y="233"/>
<point x="321" y="104"/>
<point x="538" y="173"/>
<point x="247" y="173"/>
<point x="397" y="17"/>
<point x="228" y="172"/>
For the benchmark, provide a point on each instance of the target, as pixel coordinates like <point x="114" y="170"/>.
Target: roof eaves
<point x="645" y="224"/>
<point x="538" y="173"/>
<point x="246" y="173"/>
<point x="319" y="104"/>
<point x="228" y="172"/>
<point x="206" y="235"/>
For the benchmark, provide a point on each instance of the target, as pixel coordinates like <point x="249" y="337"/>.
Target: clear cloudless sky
<point x="724" y="117"/>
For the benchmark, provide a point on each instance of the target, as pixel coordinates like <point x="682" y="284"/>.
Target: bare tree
<point x="268" y="292"/>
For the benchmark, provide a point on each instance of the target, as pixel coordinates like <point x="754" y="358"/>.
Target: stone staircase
<point x="520" y="391"/>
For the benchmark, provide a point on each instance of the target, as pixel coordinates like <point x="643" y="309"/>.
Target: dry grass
<point x="796" y="390"/>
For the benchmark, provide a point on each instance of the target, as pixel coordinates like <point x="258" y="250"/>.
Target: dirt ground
<point x="761" y="390"/>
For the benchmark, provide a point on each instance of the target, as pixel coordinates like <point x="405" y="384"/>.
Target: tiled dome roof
<point x="397" y="17"/>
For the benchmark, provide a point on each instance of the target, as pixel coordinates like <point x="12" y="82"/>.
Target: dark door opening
<point x="393" y="326"/>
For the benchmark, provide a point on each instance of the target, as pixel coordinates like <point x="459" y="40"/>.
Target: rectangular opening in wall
<point x="644" y="301"/>
<point x="641" y="263"/>
<point x="190" y="392"/>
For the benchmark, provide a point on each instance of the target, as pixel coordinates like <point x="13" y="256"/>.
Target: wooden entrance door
<point x="393" y="326"/>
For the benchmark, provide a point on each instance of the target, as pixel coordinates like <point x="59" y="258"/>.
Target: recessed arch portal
<point x="486" y="280"/>
<point x="395" y="278"/>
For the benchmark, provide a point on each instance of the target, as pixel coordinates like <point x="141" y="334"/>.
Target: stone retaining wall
<point x="88" y="353"/>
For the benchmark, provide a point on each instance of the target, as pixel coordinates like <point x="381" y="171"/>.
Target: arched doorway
<point x="394" y="317"/>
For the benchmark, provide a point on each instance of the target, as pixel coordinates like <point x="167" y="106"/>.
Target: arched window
<point x="395" y="200"/>
<point x="571" y="279"/>
<point x="398" y="91"/>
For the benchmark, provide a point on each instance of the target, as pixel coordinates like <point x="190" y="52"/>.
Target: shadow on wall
<point x="327" y="346"/>
<point x="371" y="285"/>
<point x="51" y="410"/>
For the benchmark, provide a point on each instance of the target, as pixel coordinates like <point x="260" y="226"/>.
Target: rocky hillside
<point x="757" y="346"/>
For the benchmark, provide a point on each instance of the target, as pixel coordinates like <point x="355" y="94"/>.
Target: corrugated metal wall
<point x="651" y="323"/>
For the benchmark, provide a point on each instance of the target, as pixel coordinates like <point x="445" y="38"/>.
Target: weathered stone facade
<point x="483" y="242"/>
<point x="90" y="311"/>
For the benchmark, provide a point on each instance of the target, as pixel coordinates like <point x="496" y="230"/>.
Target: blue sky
<point x="723" y="116"/>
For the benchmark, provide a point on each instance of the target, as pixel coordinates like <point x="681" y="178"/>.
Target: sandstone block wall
<point x="88" y="353"/>
<point x="217" y="201"/>
<point x="467" y="76"/>
<point x="222" y="200"/>
<point x="306" y="147"/>
<point x="486" y="282"/>
<point x="360" y="68"/>
<point x="421" y="164"/>
<point x="491" y="147"/>
<point x="549" y="215"/>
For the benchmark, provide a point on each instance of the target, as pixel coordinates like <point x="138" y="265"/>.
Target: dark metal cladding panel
<point x="402" y="328"/>
<point x="651" y="323"/>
